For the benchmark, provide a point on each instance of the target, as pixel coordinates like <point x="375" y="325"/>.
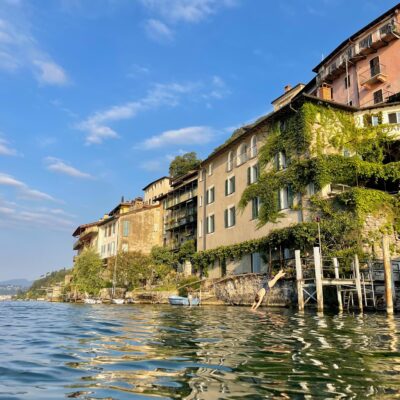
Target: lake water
<point x="56" y="351"/>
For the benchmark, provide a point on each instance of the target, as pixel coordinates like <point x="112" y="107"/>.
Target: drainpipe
<point x="204" y="173"/>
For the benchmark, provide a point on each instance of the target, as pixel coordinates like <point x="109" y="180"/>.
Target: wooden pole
<point x="299" y="279"/>
<point x="358" y="282"/>
<point x="387" y="267"/>
<point x="338" y="287"/>
<point x="318" y="279"/>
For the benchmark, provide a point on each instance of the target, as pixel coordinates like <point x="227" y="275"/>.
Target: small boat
<point x="182" y="301"/>
<point x="118" y="301"/>
<point x="92" y="301"/>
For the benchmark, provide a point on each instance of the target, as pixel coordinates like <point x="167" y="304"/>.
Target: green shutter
<point x="226" y="187"/>
<point x="278" y="199"/>
<point x="233" y="184"/>
<point x="248" y="176"/>
<point x="226" y="218"/>
<point x="233" y="211"/>
<point x="290" y="195"/>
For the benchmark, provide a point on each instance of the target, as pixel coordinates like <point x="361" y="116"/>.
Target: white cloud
<point x="23" y="189"/>
<point x="5" y="149"/>
<point x="20" y="50"/>
<point x="175" y="11"/>
<point x="59" y="166"/>
<point x="190" y="11"/>
<point x="97" y="125"/>
<point x="192" y="135"/>
<point x="22" y="217"/>
<point x="50" y="73"/>
<point x="158" y="31"/>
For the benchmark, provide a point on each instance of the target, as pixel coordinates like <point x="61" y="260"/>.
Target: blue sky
<point x="96" y="97"/>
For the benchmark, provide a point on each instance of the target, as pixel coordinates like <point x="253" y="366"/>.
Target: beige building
<point x="87" y="237"/>
<point x="156" y="189"/>
<point x="140" y="228"/>
<point x="228" y="171"/>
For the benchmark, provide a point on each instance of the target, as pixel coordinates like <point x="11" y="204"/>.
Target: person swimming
<point x="267" y="286"/>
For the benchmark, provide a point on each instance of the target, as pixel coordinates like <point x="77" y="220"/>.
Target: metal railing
<point x="372" y="73"/>
<point x="240" y="159"/>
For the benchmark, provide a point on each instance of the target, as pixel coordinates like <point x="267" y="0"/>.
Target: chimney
<point x="287" y="88"/>
<point x="325" y="92"/>
<point x="122" y="199"/>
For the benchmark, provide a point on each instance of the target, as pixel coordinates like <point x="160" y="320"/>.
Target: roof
<point x="157" y="180"/>
<point x="81" y="228"/>
<point x="182" y="178"/>
<point x="288" y="92"/>
<point x="295" y="102"/>
<point x="355" y="35"/>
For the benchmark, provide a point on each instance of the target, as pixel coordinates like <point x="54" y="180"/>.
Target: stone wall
<point x="241" y="290"/>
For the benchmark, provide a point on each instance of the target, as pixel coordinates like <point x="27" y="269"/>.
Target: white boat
<point x="118" y="301"/>
<point x="91" y="301"/>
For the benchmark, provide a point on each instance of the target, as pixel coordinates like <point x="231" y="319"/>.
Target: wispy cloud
<point x="191" y="11"/>
<point x="192" y="135"/>
<point x="97" y="126"/>
<point x="158" y="31"/>
<point x="12" y="214"/>
<point x="137" y="71"/>
<point x="5" y="149"/>
<point x="24" y="191"/>
<point x="59" y="166"/>
<point x="174" y="11"/>
<point x="20" y="50"/>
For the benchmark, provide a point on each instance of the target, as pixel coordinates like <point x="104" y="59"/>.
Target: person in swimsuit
<point x="265" y="288"/>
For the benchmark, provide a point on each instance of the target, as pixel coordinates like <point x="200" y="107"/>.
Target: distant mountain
<point x="22" y="283"/>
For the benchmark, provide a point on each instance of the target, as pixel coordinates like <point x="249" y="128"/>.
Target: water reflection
<point x="53" y="351"/>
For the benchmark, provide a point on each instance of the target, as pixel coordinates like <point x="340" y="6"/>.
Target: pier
<point x="365" y="284"/>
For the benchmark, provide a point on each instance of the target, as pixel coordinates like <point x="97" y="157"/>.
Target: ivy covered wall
<point x="340" y="172"/>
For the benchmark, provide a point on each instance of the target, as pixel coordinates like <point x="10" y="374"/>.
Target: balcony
<point x="389" y="32"/>
<point x="373" y="76"/>
<point x="385" y="97"/>
<point x="365" y="45"/>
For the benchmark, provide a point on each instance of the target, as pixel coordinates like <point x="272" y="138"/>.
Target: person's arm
<point x="261" y="295"/>
<point x="276" y="278"/>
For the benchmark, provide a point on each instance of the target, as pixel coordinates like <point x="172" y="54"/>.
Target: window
<point x="374" y="120"/>
<point x="394" y="118"/>
<point x="241" y="154"/>
<point x="253" y="146"/>
<point x="109" y="230"/>
<point x="252" y="174"/>
<point x="210" y="195"/>
<point x="280" y="160"/>
<point x="350" y="103"/>
<point x="108" y="248"/>
<point x="255" y="263"/>
<point x="202" y="173"/>
<point x="229" y="164"/>
<point x="311" y="189"/>
<point x="125" y="228"/>
<point x="375" y="66"/>
<point x="347" y="81"/>
<point x="378" y="96"/>
<point x="285" y="198"/>
<point x="230" y="186"/>
<point x="125" y="247"/>
<point x="113" y="229"/>
<point x="210" y="224"/>
<point x="210" y="169"/>
<point x="255" y="207"/>
<point x="230" y="217"/>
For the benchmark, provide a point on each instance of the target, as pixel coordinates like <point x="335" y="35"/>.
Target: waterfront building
<point x="155" y="189"/>
<point x="233" y="166"/>
<point x="180" y="211"/>
<point x="87" y="236"/>
<point x="364" y="69"/>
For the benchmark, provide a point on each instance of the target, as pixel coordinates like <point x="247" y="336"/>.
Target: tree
<point x="181" y="165"/>
<point x="87" y="273"/>
<point x="163" y="256"/>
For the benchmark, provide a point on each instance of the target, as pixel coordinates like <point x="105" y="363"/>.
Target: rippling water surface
<point x="56" y="351"/>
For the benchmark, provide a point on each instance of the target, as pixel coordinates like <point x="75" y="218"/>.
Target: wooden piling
<point x="387" y="267"/>
<point x="338" y="287"/>
<point x="318" y="279"/>
<point x="299" y="280"/>
<point x="358" y="282"/>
